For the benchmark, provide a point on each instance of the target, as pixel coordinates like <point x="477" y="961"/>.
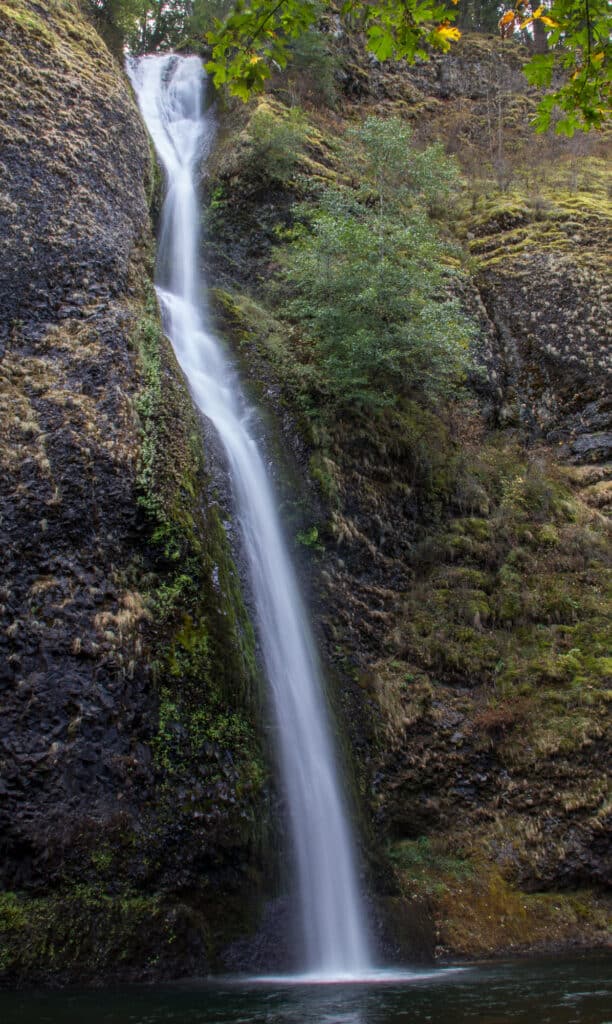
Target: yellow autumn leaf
<point x="254" y="59"/>
<point x="548" y="21"/>
<point x="538" y="13"/>
<point x="455" y="2"/>
<point x="448" y="32"/>
<point x="525" y="23"/>
<point x="597" y="58"/>
<point x="507" y="18"/>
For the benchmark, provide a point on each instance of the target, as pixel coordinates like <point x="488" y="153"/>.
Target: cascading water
<point x="169" y="91"/>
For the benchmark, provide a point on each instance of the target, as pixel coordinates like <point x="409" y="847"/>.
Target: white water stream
<point x="170" y="92"/>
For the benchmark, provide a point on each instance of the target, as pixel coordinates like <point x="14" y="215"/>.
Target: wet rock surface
<point x="123" y="640"/>
<point x="74" y="222"/>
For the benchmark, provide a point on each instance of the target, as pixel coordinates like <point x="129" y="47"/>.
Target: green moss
<point x="25" y="19"/>
<point x="505" y="225"/>
<point x="86" y="930"/>
<point x="204" y="659"/>
<point x="427" y="867"/>
<point x="266" y="349"/>
<point x="325" y="474"/>
<point x="487" y="914"/>
<point x="478" y="910"/>
<point x="102" y="860"/>
<point x="169" y="464"/>
<point x="309" y="538"/>
<point x="516" y="603"/>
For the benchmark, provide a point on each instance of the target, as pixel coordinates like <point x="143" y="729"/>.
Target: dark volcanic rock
<point x="123" y="640"/>
<point x="73" y="218"/>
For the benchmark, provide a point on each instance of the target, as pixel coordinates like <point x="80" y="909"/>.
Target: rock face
<point x="75" y="226"/>
<point x="544" y="284"/>
<point x="128" y="687"/>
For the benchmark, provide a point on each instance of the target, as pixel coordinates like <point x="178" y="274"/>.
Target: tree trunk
<point x="540" y="39"/>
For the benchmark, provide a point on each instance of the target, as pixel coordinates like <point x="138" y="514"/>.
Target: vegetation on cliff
<point x="571" y="41"/>
<point x="365" y="337"/>
<point x="461" y="572"/>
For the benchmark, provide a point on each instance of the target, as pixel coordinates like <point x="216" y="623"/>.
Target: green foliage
<point x="146" y="25"/>
<point x="252" y="40"/>
<point x="114" y="19"/>
<point x="584" y="99"/>
<point x="401" y="173"/>
<point x="364" y="279"/>
<point x="82" y="928"/>
<point x="426" y="867"/>
<point x="150" y="500"/>
<point x="422" y="856"/>
<point x="403" y="30"/>
<point x="203" y="16"/>
<point x="312" y="67"/>
<point x="202" y="660"/>
<point x="277" y="140"/>
<point x="577" y="48"/>
<point x="517" y="602"/>
<point x="310" y="539"/>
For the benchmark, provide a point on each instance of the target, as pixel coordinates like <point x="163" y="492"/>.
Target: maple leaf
<point x="448" y="32"/>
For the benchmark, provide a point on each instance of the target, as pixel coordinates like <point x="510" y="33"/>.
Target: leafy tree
<point x="364" y="278"/>
<point x="401" y="173"/>
<point x="204" y="14"/>
<point x="114" y="19"/>
<point x="370" y="293"/>
<point x="573" y="38"/>
<point x="479" y="15"/>
<point x="145" y="25"/>
<point x="276" y="142"/>
<point x="256" y="37"/>
<point x="312" y="67"/>
<point x="160" y="24"/>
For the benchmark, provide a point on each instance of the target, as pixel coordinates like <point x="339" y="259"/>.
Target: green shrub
<point x="277" y="140"/>
<point x="371" y="292"/>
<point x="365" y="278"/>
<point x="400" y="172"/>
<point x="311" y="72"/>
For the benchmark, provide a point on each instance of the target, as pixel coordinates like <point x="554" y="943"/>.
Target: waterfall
<point x="170" y="92"/>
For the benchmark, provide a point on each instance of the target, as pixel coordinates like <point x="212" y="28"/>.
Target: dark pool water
<point x="577" y="991"/>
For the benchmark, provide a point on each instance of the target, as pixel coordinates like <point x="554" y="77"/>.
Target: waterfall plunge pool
<point x="529" y="991"/>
